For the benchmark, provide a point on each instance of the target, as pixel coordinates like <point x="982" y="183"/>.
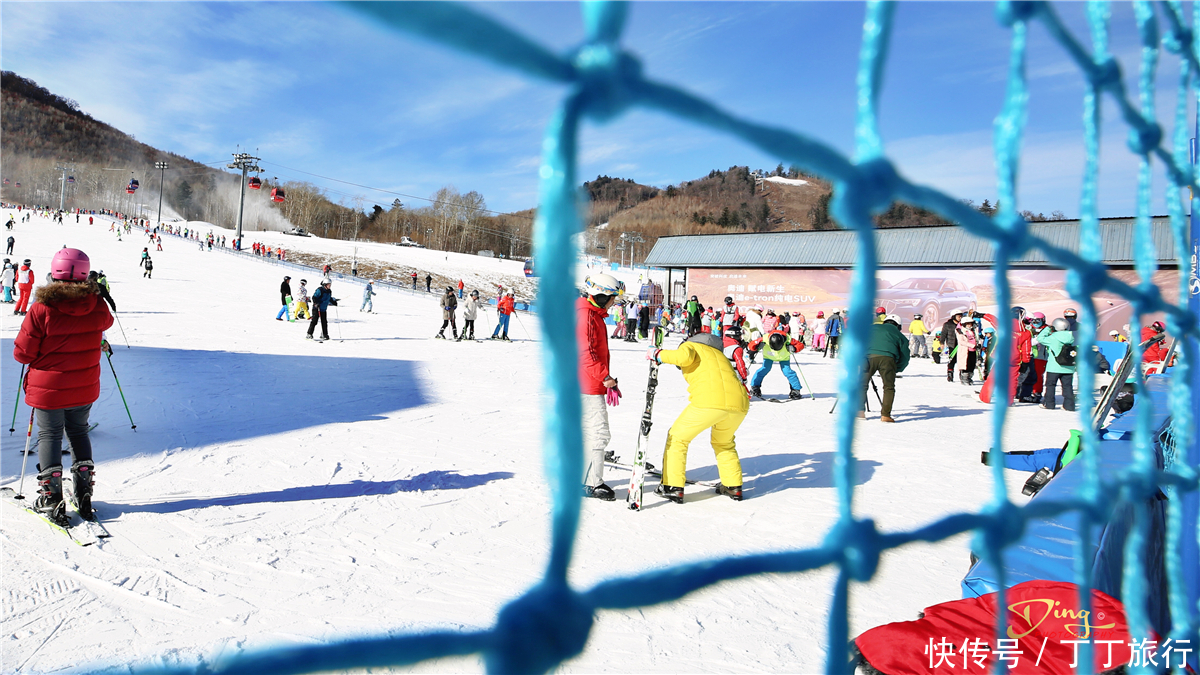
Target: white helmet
<point x="757" y="308"/>
<point x="894" y="318"/>
<point x="604" y="284"/>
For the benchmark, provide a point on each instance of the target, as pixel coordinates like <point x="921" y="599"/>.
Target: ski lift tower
<point x="62" y="188"/>
<point x="245" y="163"/>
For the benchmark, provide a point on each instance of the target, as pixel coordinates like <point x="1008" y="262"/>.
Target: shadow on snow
<point x="188" y="398"/>
<point x="432" y="480"/>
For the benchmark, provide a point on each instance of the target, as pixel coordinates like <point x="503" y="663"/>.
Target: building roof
<point x="898" y="247"/>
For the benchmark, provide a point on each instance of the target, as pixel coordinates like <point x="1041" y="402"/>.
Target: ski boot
<point x="83" y="476"/>
<point x="439" y="336"/>
<point x="756" y="391"/>
<point x="734" y="493"/>
<point x="610" y="456"/>
<point x="674" y="494"/>
<point x="1036" y="482"/>
<point x="795" y="394"/>
<point x="505" y="338"/>
<point x="601" y="492"/>
<point x="50" y="496"/>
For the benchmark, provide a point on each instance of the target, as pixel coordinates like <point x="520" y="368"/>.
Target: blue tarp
<point x="1113" y="351"/>
<point x="1047" y="549"/>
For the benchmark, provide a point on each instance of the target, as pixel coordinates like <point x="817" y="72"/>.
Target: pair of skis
<point x="82" y="532"/>
<point x="637" y="480"/>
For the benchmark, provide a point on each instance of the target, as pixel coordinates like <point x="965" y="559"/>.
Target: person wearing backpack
<point x="1059" y="341"/>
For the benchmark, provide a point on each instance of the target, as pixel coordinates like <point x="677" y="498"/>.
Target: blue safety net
<point x="549" y="624"/>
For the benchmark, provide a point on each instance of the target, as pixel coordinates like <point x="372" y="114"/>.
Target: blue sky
<point x="318" y="88"/>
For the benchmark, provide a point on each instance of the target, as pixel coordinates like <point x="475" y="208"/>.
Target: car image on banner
<point x="935" y="298"/>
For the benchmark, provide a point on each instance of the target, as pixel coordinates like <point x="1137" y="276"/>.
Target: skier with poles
<point x="61" y="341"/>
<point x="449" y="306"/>
<point x="470" y="310"/>
<point x="322" y="298"/>
<point x="777" y="348"/>
<point x="504" y="309"/>
<point x="717" y="401"/>
<point x="887" y="354"/>
<point x="597" y="384"/>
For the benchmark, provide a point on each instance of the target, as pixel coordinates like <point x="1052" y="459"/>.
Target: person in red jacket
<point x="504" y="309"/>
<point x="24" y="286"/>
<point x="61" y="341"/>
<point x="1154" y="354"/>
<point x="595" y="380"/>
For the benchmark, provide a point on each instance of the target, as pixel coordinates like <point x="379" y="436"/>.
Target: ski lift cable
<point x="391" y="192"/>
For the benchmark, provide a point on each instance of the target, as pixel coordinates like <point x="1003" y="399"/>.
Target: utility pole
<point x="162" y="170"/>
<point x="246" y="163"/>
<point x="62" y="187"/>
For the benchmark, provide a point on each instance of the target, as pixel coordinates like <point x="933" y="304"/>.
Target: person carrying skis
<point x="595" y="380"/>
<point x="149" y="268"/>
<point x="887" y="354"/>
<point x="302" y="301"/>
<point x="61" y="341"/>
<point x="777" y="348"/>
<point x="449" y="306"/>
<point x="24" y="286"/>
<point x="717" y="401"/>
<point x="285" y="296"/>
<point x="833" y="331"/>
<point x="916" y="337"/>
<point x="731" y="315"/>
<point x="470" y="310"/>
<point x="322" y="298"/>
<point x="504" y="309"/>
<point x="367" y="304"/>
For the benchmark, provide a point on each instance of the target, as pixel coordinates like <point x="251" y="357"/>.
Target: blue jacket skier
<point x="367" y="305"/>
<point x="322" y="298"/>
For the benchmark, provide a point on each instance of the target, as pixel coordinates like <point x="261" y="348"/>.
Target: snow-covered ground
<point x="280" y="491"/>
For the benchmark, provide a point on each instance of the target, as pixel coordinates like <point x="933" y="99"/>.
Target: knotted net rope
<point x="549" y="624"/>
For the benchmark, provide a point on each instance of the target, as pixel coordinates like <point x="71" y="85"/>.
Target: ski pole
<point x="16" y="404"/>
<point x="25" y="457"/>
<point x="123" y="337"/>
<point x="337" y="319"/>
<point x="876" y="390"/>
<point x="796" y="363"/>
<point x="523" y="328"/>
<point x="114" y="372"/>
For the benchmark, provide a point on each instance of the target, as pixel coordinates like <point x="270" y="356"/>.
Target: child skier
<point x="149" y="266"/>
<point x="776" y="347"/>
<point x="302" y="301"/>
<point x="717" y="401"/>
<point x="61" y="342"/>
<point x="504" y="309"/>
<point x="470" y="309"/>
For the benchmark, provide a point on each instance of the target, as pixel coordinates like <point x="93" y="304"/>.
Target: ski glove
<point x="652" y="354"/>
<point x="613" y="396"/>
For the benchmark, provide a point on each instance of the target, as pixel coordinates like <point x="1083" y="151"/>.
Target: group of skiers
<point x="505" y="306"/>
<point x="18" y="285"/>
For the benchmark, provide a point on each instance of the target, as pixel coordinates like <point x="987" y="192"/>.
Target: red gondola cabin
<point x="254" y="184"/>
<point x="277" y="194"/>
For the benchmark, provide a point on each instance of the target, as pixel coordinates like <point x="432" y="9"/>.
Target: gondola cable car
<point x="70" y="179"/>
<point x="255" y="183"/>
<point x="277" y="194"/>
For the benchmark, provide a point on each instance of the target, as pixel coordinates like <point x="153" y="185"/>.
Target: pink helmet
<point x="1038" y="315"/>
<point x="70" y="264"/>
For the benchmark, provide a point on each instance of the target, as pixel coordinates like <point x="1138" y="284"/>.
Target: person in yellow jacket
<point x="717" y="400"/>
<point x="916" y="338"/>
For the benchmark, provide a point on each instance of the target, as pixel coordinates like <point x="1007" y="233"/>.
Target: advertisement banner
<point x="935" y="294"/>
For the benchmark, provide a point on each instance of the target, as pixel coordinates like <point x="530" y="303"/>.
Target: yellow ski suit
<point x="717" y="399"/>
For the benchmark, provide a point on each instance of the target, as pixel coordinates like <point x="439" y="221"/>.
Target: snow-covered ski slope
<point x="280" y="491"/>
